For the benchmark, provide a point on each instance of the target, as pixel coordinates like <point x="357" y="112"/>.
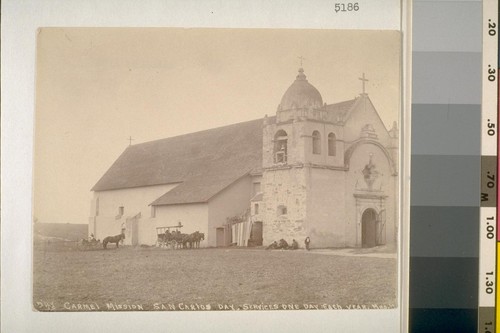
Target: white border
<point x="405" y="160"/>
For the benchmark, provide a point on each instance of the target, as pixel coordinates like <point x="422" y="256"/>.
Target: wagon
<point x="89" y="244"/>
<point x="165" y="236"/>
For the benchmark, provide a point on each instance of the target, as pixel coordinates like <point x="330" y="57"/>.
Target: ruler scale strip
<point x="488" y="311"/>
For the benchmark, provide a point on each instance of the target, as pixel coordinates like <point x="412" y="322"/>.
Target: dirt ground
<point x="149" y="278"/>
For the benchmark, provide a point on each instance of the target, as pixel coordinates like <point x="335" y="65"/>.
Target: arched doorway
<point x="369" y="228"/>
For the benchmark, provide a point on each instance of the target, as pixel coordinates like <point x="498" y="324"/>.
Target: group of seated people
<point x="283" y="244"/>
<point x="173" y="234"/>
<point x="92" y="239"/>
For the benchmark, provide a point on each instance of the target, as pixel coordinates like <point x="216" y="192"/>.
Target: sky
<point x="96" y="87"/>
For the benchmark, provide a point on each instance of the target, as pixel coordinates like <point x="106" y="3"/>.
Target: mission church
<point x="318" y="170"/>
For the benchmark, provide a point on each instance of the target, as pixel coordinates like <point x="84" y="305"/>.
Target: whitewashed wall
<point x="232" y="201"/>
<point x="104" y="207"/>
<point x="194" y="217"/>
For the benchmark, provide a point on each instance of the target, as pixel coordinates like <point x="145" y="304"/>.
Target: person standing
<point x="123" y="232"/>
<point x="307" y="241"/>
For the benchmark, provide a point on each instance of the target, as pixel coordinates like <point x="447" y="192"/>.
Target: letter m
<point x="484" y="196"/>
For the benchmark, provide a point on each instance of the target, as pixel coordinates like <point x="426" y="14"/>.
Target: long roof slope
<point x="341" y="109"/>
<point x="204" y="162"/>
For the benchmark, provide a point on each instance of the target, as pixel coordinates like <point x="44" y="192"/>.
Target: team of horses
<point x="176" y="239"/>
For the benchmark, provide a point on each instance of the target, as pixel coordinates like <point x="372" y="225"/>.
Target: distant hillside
<point x="66" y="231"/>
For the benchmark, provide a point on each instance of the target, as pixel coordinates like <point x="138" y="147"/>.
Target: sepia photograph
<point x="216" y="169"/>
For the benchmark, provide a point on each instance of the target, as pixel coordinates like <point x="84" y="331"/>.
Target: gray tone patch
<point x="439" y="180"/>
<point x="436" y="231"/>
<point x="440" y="129"/>
<point x="447" y="26"/>
<point x="446" y="78"/>
<point x="440" y="283"/>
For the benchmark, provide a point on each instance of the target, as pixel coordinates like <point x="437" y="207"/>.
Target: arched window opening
<point x="280" y="147"/>
<point x="332" y="142"/>
<point x="316" y="142"/>
<point x="281" y="210"/>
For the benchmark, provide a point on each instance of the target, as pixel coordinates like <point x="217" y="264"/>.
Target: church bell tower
<point x="291" y="140"/>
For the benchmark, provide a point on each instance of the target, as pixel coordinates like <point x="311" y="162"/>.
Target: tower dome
<point x="301" y="94"/>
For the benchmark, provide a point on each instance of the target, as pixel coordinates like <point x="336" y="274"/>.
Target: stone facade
<point x="285" y="202"/>
<point x="332" y="169"/>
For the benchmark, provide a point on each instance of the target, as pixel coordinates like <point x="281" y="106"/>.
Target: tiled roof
<point x="340" y="110"/>
<point x="202" y="187"/>
<point x="204" y="162"/>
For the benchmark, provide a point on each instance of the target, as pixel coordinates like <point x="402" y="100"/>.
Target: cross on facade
<point x="130" y="140"/>
<point x="301" y="59"/>
<point x="364" y="80"/>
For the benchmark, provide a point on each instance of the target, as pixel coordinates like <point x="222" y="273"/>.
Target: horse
<point x="189" y="239"/>
<point x="194" y="239"/>
<point x="197" y="238"/>
<point x="182" y="240"/>
<point x="113" y="239"/>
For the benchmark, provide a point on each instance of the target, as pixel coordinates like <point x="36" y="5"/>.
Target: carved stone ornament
<point x="370" y="174"/>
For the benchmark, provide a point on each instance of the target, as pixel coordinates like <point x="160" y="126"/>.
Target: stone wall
<point x="284" y="187"/>
<point x="326" y="213"/>
<point x="324" y="129"/>
<point x="295" y="143"/>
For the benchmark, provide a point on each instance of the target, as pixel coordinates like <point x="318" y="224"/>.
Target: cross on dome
<point x="301" y="60"/>
<point x="301" y="94"/>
